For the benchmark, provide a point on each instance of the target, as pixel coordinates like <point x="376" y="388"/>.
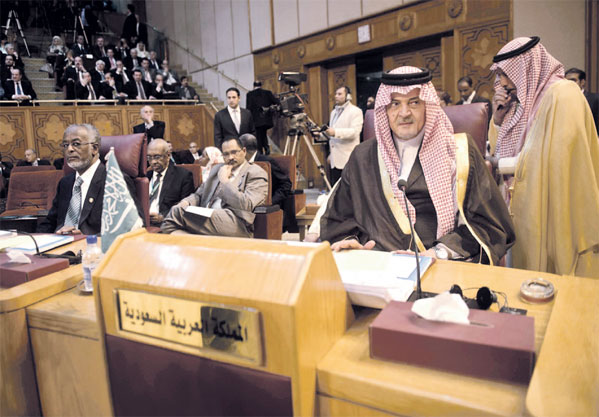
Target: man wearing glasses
<point x="169" y="183"/>
<point x="77" y="206"/>
<point x="231" y="192"/>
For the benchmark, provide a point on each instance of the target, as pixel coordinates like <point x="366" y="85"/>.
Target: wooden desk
<point x="304" y="219"/>
<point x="565" y="379"/>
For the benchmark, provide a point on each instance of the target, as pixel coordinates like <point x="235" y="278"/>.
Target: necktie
<point x="141" y="92"/>
<point x="338" y="112"/>
<point x="102" y="76"/>
<point x="92" y="94"/>
<point x="155" y="187"/>
<point x="148" y="77"/>
<point x="125" y="78"/>
<point x="19" y="90"/>
<point x="74" y="210"/>
<point x="236" y="119"/>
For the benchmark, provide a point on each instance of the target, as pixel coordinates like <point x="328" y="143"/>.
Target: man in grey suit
<point x="232" y="191"/>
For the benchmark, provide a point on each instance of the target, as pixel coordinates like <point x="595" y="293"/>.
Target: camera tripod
<point x="13" y="17"/>
<point x="299" y="127"/>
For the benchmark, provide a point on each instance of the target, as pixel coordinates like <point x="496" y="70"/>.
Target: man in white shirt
<point x="233" y="120"/>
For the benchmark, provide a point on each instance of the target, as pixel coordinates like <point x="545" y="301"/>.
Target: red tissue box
<point x="12" y="274"/>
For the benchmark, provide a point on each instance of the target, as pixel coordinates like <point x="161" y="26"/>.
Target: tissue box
<point x="12" y="274"/>
<point x="498" y="346"/>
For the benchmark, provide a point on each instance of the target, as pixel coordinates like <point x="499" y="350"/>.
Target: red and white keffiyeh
<point x="437" y="153"/>
<point x="531" y="72"/>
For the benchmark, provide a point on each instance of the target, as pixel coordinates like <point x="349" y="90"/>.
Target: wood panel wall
<point x="452" y="38"/>
<point x="41" y="128"/>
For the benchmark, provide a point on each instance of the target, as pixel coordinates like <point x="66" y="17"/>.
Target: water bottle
<point x="90" y="260"/>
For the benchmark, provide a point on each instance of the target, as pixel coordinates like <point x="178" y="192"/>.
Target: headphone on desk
<point x="485" y="297"/>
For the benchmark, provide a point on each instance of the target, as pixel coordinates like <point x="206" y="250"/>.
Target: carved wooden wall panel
<point x="49" y="126"/>
<point x="108" y="122"/>
<point x="42" y="128"/>
<point x="429" y="58"/>
<point x="12" y="134"/>
<point x="478" y="45"/>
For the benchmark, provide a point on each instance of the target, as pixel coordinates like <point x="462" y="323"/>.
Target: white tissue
<point x="18" y="257"/>
<point x="443" y="307"/>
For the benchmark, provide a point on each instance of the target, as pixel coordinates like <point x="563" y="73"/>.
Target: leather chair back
<point x="31" y="191"/>
<point x="196" y="170"/>
<point x="368" y="132"/>
<point x="266" y="167"/>
<point x="287" y="164"/>
<point x="27" y="168"/>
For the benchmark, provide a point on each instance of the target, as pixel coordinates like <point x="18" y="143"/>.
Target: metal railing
<point x="111" y="102"/>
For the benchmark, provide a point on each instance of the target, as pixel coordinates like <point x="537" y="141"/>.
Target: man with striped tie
<point x="77" y="206"/>
<point x="169" y="183"/>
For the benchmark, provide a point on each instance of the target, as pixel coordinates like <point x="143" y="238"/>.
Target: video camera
<point x="290" y="102"/>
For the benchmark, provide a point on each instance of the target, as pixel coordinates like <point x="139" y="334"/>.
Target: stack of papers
<point x="373" y="278"/>
<point x="25" y="244"/>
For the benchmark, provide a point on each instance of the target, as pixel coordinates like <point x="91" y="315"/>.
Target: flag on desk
<point x="119" y="213"/>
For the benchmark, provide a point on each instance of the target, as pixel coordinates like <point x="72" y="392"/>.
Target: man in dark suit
<point x="281" y="184"/>
<point x="130" y="32"/>
<point x="169" y="184"/>
<point x="233" y="120"/>
<point x="132" y="61"/>
<point x="99" y="50"/>
<point x="87" y="89"/>
<point x="121" y="74"/>
<point x="137" y="88"/>
<point x="189" y="156"/>
<point x="98" y="73"/>
<point x="255" y="101"/>
<point x="77" y="207"/>
<point x="185" y="91"/>
<point x="468" y="94"/>
<point x="580" y="78"/>
<point x="153" y="129"/>
<point x="79" y="47"/>
<point x="72" y="75"/>
<point x="19" y="89"/>
<point x="31" y="160"/>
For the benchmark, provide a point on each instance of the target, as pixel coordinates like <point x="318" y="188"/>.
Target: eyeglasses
<point x="75" y="144"/>
<point x="156" y="157"/>
<point x="232" y="153"/>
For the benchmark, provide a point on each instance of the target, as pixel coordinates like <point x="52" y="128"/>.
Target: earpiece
<point x="485" y="298"/>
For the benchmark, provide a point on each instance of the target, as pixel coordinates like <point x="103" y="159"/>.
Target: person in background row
<point x="191" y="155"/>
<point x="171" y="80"/>
<point x="152" y="128"/>
<point x="31" y="160"/>
<point x="78" y="47"/>
<point x="138" y="88"/>
<point x="169" y="184"/>
<point x="211" y="156"/>
<point x="544" y="140"/>
<point x="185" y="91"/>
<point x="154" y="61"/>
<point x="580" y="78"/>
<point x="468" y="94"/>
<point x="121" y="74"/>
<point x="87" y="89"/>
<point x="370" y="103"/>
<point x="256" y="100"/>
<point x="19" y="89"/>
<point x="232" y="120"/>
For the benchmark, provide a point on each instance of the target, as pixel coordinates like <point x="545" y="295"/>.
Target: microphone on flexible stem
<point x="418" y="294"/>
<point x="73" y="258"/>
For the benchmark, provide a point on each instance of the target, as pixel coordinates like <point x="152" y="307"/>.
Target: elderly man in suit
<point x="31" y="160"/>
<point x="233" y="120"/>
<point x="77" y="207"/>
<point x="169" y="183"/>
<point x="19" y="89"/>
<point x="152" y="128"/>
<point x="232" y="191"/>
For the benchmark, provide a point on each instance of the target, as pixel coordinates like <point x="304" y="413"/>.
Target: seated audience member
<point x="5" y="70"/>
<point x="543" y="134"/>
<point x="77" y="207"/>
<point x="172" y="153"/>
<point x="73" y="74"/>
<point x="19" y="89"/>
<point x="62" y="63"/>
<point x="158" y="90"/>
<point x="580" y="78"/>
<point x="132" y="61"/>
<point x="415" y="144"/>
<point x="98" y="73"/>
<point x="10" y="50"/>
<point x="171" y="80"/>
<point x="111" y="89"/>
<point x="154" y="61"/>
<point x="281" y="184"/>
<point x="87" y="89"/>
<point x="147" y="73"/>
<point x="31" y="160"/>
<point x="56" y="52"/>
<point x="232" y="190"/>
<point x="99" y="50"/>
<point x="79" y="47"/>
<point x="110" y="60"/>
<point x="152" y="128"/>
<point x="141" y="51"/>
<point x="121" y="73"/>
<point x="191" y="155"/>
<point x="138" y="88"/>
<point x="121" y="51"/>
<point x="468" y="94"/>
<point x="169" y="184"/>
<point x="211" y="156"/>
<point x="58" y="163"/>
<point x="186" y="91"/>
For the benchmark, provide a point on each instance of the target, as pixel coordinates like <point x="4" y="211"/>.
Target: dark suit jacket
<point x="593" y="99"/>
<point x="255" y="100"/>
<point x="129" y="27"/>
<point x="477" y="99"/>
<point x="128" y="63"/>
<point x="119" y="78"/>
<point x="131" y="89"/>
<point x="185" y="157"/>
<point x="181" y="92"/>
<point x="90" y="221"/>
<point x="281" y="184"/>
<point x="78" y="50"/>
<point x="176" y="185"/>
<point x="96" y="76"/>
<point x="27" y="89"/>
<point x="82" y="93"/>
<point x="23" y="163"/>
<point x="224" y="126"/>
<point x="97" y="52"/>
<point x="156" y="131"/>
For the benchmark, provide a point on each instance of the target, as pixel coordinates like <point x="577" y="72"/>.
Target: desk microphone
<point x="70" y="255"/>
<point x="418" y="294"/>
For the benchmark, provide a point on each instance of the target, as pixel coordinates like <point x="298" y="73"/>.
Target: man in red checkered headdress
<point x="456" y="207"/>
<point x="544" y="142"/>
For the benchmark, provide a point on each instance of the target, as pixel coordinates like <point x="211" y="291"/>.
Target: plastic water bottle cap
<point x="91" y="239"/>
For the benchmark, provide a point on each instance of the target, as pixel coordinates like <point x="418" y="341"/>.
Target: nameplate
<point x="231" y="330"/>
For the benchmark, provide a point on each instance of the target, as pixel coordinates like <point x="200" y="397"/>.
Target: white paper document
<point x="44" y="242"/>
<point x="200" y="211"/>
<point x="374" y="278"/>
